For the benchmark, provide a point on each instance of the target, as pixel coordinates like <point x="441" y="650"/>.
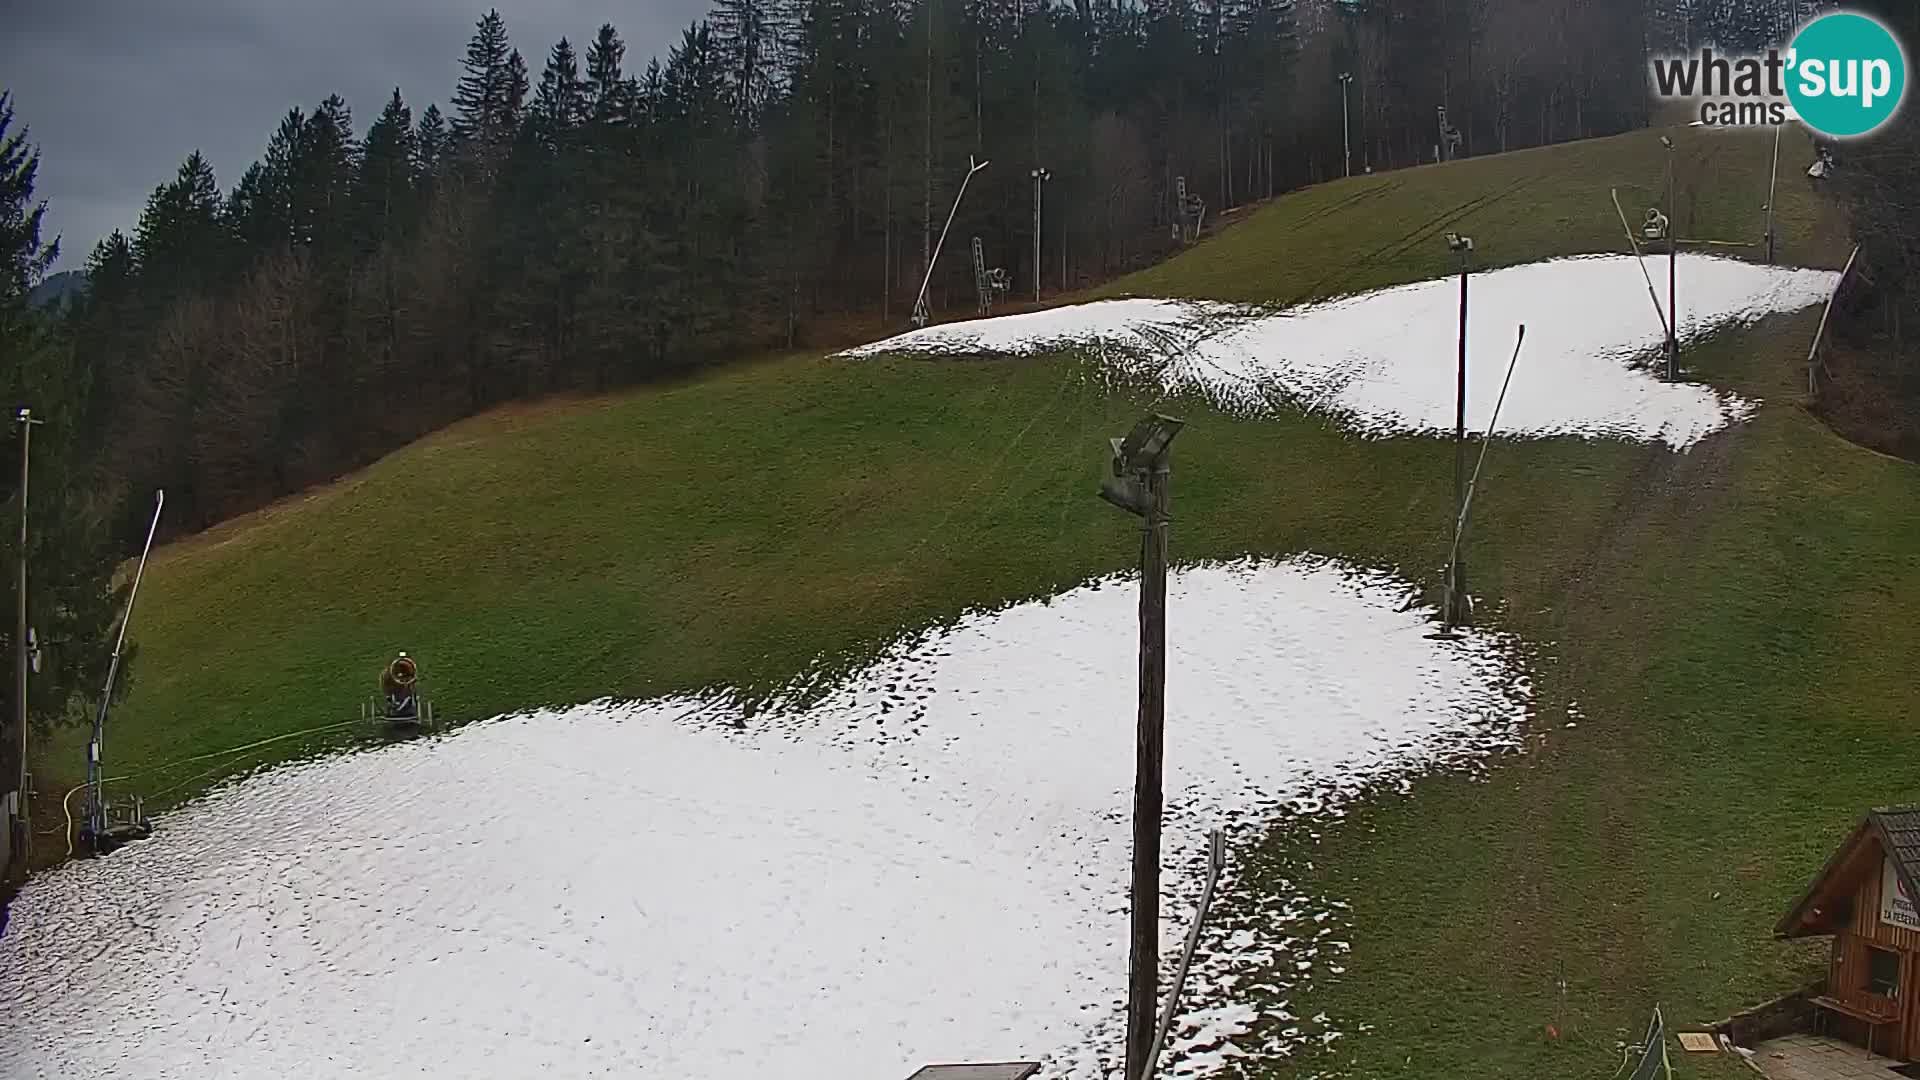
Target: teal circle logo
<point x="1846" y="74"/>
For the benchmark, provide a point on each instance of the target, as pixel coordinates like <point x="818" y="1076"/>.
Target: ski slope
<point x="929" y="865"/>
<point x="1385" y="363"/>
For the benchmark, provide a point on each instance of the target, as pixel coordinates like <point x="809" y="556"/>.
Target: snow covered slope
<point x="1385" y="362"/>
<point x="930" y="865"/>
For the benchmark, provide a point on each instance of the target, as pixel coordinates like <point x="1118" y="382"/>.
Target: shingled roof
<point x="1896" y="830"/>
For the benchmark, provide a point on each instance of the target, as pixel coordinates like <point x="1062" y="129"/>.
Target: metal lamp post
<point x="1040" y="176"/>
<point x="23" y="848"/>
<point x="1346" y="139"/>
<point x="1456" y="606"/>
<point x="1673" y="269"/>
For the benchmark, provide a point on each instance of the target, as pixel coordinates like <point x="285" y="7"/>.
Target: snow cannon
<point x="400" y="702"/>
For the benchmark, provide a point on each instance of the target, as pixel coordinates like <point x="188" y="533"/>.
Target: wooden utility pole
<point x="1139" y="485"/>
<point x="1148" y="801"/>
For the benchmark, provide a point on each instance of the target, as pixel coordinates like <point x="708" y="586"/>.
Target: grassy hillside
<point x="1732" y="622"/>
<point x="1367" y="232"/>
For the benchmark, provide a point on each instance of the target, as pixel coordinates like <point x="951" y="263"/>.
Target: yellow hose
<point x="66" y="808"/>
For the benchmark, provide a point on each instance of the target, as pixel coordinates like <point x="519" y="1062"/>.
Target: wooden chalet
<point x="1864" y="898"/>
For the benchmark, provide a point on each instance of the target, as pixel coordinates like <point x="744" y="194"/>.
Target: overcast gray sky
<point x="117" y="92"/>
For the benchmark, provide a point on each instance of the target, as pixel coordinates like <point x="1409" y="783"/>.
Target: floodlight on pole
<point x="1138" y="485"/>
<point x="1346" y="138"/>
<point x="920" y="314"/>
<point x="1456" y="596"/>
<point x="22" y="847"/>
<point x="1673" y="269"/>
<point x="1040" y="176"/>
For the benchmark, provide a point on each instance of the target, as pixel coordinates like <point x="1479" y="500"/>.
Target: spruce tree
<point x="384" y="189"/>
<point x="748" y="36"/>
<point x="605" y="86"/>
<point x="178" y="240"/>
<point x="560" y="105"/>
<point x="23" y="258"/>
<point x="514" y="107"/>
<point x="480" y="113"/>
<point x="429" y="145"/>
<point x="323" y="177"/>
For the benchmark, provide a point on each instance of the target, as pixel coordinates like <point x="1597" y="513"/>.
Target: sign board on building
<point x="1896" y="906"/>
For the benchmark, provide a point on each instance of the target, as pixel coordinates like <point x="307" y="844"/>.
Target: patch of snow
<point x="929" y="865"/>
<point x="1385" y="363"/>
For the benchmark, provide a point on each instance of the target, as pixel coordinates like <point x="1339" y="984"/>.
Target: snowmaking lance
<point x="401" y="702"/>
<point x="107" y="825"/>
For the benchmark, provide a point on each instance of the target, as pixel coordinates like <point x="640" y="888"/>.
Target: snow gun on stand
<point x="400" y="702"/>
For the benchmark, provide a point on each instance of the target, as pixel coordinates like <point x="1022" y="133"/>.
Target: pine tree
<point x="384" y="190"/>
<point x="479" y="100"/>
<point x="649" y="93"/>
<point x="560" y="105"/>
<point x="24" y="257"/>
<point x="111" y="266"/>
<point x="515" y="107"/>
<point x="429" y="146"/>
<point x="177" y="241"/>
<point x="322" y="180"/>
<point x="260" y="211"/>
<point x="694" y="82"/>
<point x="748" y="36"/>
<point x="606" y="89"/>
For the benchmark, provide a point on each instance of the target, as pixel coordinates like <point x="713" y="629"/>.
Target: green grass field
<point x="1733" y="622"/>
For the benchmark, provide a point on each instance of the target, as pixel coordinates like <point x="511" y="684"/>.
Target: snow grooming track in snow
<point x="928" y="864"/>
<point x="1384" y="363"/>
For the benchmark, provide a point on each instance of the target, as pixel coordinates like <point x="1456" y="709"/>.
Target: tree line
<point x="786" y="162"/>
